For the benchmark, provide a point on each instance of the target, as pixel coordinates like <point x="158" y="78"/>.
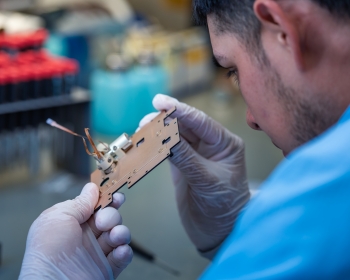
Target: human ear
<point x="277" y="23"/>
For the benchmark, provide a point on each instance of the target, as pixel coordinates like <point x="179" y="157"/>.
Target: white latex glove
<point x="66" y="242"/>
<point x="209" y="175"/>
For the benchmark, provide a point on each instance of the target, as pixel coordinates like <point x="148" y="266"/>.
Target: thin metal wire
<point x="61" y="127"/>
<point x="96" y="152"/>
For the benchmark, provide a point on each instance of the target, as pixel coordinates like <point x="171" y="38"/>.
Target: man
<point x="291" y="59"/>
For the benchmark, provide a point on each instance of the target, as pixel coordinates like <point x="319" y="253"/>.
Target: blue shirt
<point x="298" y="225"/>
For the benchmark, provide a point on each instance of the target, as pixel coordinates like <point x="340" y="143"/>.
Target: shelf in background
<point x="78" y="95"/>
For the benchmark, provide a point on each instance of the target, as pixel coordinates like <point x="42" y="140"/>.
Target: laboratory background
<point x="98" y="65"/>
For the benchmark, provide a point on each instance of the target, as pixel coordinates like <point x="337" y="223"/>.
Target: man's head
<point x="291" y="58"/>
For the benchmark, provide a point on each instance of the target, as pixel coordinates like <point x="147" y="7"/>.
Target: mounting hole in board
<point x="103" y="182"/>
<point x="140" y="142"/>
<point x="166" y="140"/>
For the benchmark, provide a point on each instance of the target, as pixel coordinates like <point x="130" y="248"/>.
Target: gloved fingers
<point x="146" y="119"/>
<point x="186" y="159"/>
<point x="104" y="220"/>
<point x="204" y="127"/>
<point x="119" y="235"/>
<point x="118" y="200"/>
<point x="184" y="131"/>
<point x="164" y="102"/>
<point x="196" y="124"/>
<point x="119" y="259"/>
<point x="82" y="207"/>
<point x="199" y="172"/>
<point x="188" y="135"/>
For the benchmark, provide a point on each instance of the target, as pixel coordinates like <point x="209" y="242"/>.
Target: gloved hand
<point x="209" y="174"/>
<point x="66" y="242"/>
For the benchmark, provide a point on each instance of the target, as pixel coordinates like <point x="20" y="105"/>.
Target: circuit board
<point x="151" y="145"/>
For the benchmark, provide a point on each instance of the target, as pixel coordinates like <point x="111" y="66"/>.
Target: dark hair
<point x="237" y="16"/>
<point x="337" y="7"/>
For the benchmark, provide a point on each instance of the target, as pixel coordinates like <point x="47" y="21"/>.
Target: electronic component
<point x="134" y="157"/>
<point x="128" y="159"/>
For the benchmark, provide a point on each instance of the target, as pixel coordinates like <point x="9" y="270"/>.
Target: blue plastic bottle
<point x="121" y="98"/>
<point x="152" y="79"/>
<point x="113" y="98"/>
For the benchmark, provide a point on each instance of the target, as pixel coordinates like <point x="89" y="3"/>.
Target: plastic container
<point x="14" y="89"/>
<point x="32" y="84"/>
<point x="37" y="87"/>
<point x="2" y="42"/>
<point x="38" y="39"/>
<point x="25" y="58"/>
<point x="116" y="105"/>
<point x="65" y="74"/>
<point x="71" y="70"/>
<point x="152" y="78"/>
<point x="5" y="83"/>
<point x="57" y="78"/>
<point x="24" y="79"/>
<point x="42" y="56"/>
<point x="17" y="43"/>
<point x="47" y="74"/>
<point x="121" y="98"/>
<point x="5" y="59"/>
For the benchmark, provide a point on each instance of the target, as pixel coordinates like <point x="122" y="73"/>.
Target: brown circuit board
<point x="151" y="145"/>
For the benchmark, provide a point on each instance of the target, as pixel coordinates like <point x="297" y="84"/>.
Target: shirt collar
<point x="346" y="116"/>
